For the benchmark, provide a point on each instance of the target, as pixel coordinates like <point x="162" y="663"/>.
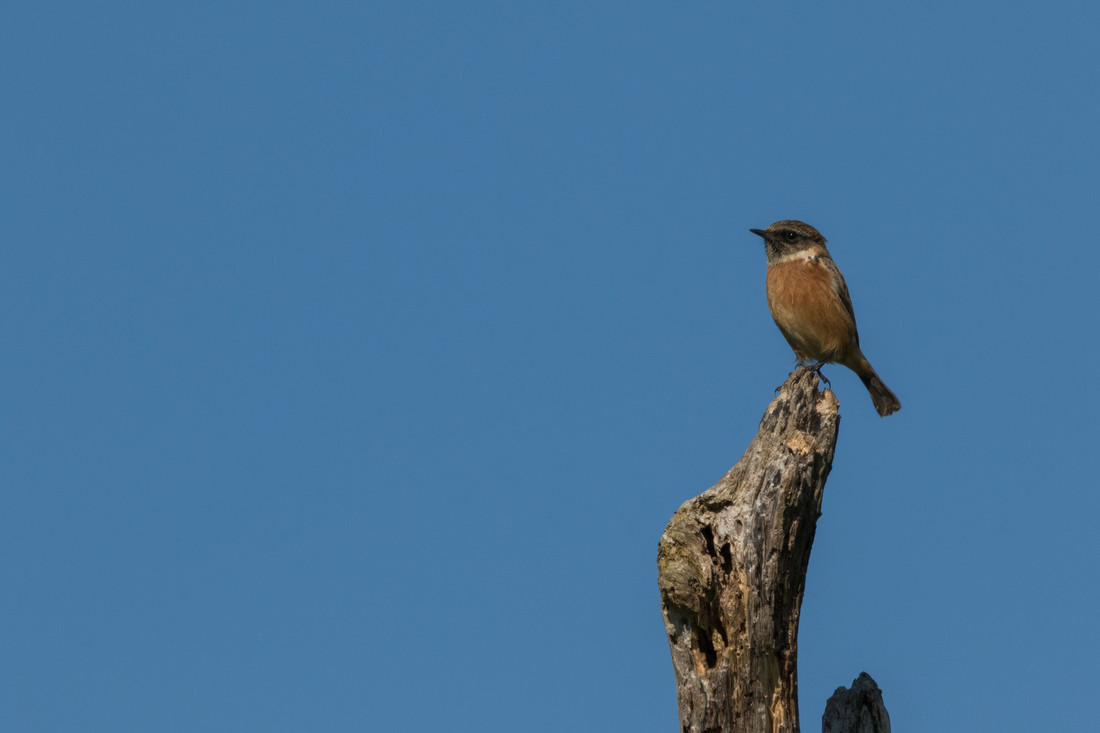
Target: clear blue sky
<point x="356" y="354"/>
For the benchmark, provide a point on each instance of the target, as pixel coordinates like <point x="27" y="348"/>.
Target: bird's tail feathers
<point x="886" y="402"/>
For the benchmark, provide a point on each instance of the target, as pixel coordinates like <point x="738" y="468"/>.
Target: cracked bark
<point x="732" y="569"/>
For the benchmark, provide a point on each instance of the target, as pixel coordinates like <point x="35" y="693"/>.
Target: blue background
<point x="356" y="354"/>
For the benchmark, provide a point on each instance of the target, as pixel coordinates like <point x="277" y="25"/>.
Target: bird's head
<point x="789" y="237"/>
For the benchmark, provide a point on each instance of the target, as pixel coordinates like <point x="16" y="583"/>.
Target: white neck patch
<point x="805" y="255"/>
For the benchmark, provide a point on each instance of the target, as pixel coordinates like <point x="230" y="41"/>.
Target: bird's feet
<point x="815" y="368"/>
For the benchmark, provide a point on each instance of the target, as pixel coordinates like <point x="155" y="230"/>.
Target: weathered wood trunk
<point x="732" y="568"/>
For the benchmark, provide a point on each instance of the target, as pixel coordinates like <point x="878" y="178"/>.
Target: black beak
<point x="759" y="232"/>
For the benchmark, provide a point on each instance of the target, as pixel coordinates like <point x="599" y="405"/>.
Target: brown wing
<point x="841" y="289"/>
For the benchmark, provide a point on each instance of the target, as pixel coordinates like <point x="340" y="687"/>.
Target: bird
<point x="809" y="301"/>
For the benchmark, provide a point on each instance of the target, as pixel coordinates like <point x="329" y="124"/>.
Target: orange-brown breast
<point x="803" y="299"/>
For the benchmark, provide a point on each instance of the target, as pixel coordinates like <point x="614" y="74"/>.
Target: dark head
<point x="789" y="237"/>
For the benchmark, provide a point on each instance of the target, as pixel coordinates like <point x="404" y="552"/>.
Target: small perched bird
<point x="809" y="302"/>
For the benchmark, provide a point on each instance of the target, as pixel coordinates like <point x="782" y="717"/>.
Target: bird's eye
<point x="790" y="236"/>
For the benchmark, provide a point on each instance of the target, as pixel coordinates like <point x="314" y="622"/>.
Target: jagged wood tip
<point x="856" y="710"/>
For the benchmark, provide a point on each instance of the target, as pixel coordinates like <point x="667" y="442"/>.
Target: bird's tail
<point x="886" y="402"/>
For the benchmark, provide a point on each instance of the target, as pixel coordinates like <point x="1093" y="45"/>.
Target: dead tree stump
<point x="732" y="569"/>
